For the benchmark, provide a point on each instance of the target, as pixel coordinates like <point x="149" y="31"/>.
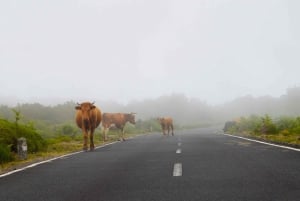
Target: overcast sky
<point x="124" y="50"/>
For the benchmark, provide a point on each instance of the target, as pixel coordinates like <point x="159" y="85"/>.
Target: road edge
<point x="50" y="160"/>
<point x="258" y="141"/>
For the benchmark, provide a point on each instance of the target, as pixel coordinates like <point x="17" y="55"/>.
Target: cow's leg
<point x="92" y="146"/>
<point x="85" y="139"/>
<point x="164" y="130"/>
<point x="104" y="133"/>
<point x="168" y="130"/>
<point x="122" y="134"/>
<point x="172" y="129"/>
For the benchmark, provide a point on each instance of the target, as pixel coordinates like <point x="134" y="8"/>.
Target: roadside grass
<point x="279" y="130"/>
<point x="292" y="140"/>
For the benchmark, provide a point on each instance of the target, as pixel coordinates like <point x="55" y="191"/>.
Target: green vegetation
<point x="284" y="130"/>
<point x="9" y="134"/>
<point x="5" y="154"/>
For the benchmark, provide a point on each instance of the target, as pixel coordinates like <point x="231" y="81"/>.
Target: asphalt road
<point x="209" y="167"/>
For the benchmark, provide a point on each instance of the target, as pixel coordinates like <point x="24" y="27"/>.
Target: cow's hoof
<point x="84" y="149"/>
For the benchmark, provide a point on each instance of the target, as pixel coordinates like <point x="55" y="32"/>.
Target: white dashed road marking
<point x="177" y="170"/>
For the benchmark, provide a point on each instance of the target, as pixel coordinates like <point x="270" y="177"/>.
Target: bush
<point x="9" y="134"/>
<point x="282" y="130"/>
<point x="229" y="126"/>
<point x="268" y="127"/>
<point x="285" y="132"/>
<point x="5" y="154"/>
<point x="35" y="142"/>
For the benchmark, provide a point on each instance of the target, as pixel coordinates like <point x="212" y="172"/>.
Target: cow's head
<point x="131" y="118"/>
<point x="85" y="108"/>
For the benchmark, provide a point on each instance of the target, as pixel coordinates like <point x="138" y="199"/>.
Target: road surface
<point x="195" y="165"/>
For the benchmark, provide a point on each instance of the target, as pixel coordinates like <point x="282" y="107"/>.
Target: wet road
<point x="195" y="165"/>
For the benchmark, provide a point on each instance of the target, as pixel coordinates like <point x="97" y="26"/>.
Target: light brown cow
<point x="166" y="124"/>
<point x="88" y="118"/>
<point x="117" y="119"/>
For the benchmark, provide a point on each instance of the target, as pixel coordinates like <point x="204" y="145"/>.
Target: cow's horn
<point x="77" y="103"/>
<point x="93" y="102"/>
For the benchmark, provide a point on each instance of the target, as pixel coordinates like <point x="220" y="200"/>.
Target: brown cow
<point x="88" y="118"/>
<point x="166" y="124"/>
<point x="117" y="119"/>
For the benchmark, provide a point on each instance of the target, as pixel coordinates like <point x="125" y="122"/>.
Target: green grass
<point x="280" y="130"/>
<point x="281" y="138"/>
<point x="284" y="139"/>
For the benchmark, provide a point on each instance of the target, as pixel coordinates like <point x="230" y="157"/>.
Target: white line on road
<point x="275" y="145"/>
<point x="178" y="151"/>
<point x="177" y="170"/>
<point x="50" y="160"/>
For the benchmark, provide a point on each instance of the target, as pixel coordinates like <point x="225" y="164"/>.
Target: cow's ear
<point x="77" y="107"/>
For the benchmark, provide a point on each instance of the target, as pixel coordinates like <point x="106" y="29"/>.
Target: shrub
<point x="5" y="154"/>
<point x="285" y="123"/>
<point x="10" y="133"/>
<point x="268" y="127"/>
<point x="229" y="126"/>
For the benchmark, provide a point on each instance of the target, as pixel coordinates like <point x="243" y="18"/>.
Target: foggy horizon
<point x="124" y="51"/>
<point x="53" y="101"/>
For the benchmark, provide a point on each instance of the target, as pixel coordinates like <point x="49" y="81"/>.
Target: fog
<point x="124" y="51"/>
<point x="186" y="112"/>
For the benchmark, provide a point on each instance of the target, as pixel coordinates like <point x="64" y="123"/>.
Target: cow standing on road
<point x="166" y="124"/>
<point x="117" y="119"/>
<point x="88" y="118"/>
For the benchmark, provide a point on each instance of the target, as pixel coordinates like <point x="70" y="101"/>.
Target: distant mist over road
<point x="184" y="110"/>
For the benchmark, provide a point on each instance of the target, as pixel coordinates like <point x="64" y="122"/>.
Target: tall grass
<point x="282" y="129"/>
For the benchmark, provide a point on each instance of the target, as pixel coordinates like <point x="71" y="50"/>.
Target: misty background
<point x="195" y="60"/>
<point x="186" y="112"/>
